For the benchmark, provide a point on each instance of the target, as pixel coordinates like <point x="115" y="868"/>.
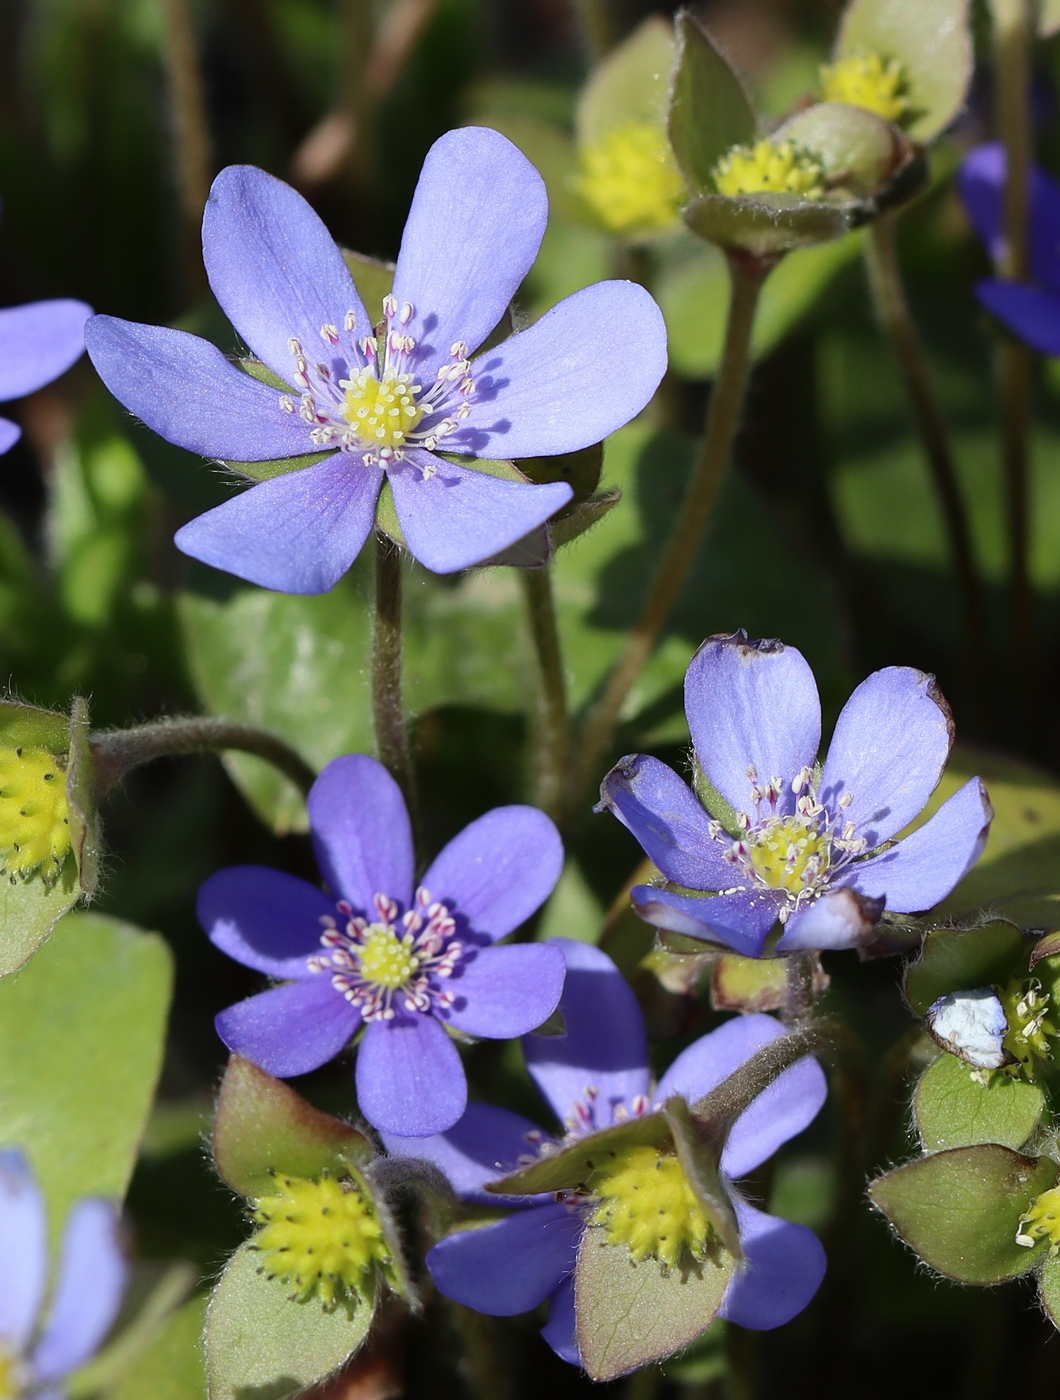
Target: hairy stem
<point x="551" y="744"/>
<point x="388" y="711"/>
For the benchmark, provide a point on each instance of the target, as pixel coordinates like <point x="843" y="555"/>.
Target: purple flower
<point x="383" y="400"/>
<point x="1030" y="311"/>
<point x="38" y="1352"/>
<point x="37" y="343"/>
<point x="812" y="845"/>
<point x="401" y="961"/>
<point x="593" y="1076"/>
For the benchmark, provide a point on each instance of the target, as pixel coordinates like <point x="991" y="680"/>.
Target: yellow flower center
<point x="34" y="823"/>
<point x="1027" y="1009"/>
<point x="647" y="1203"/>
<point x="867" y="80"/>
<point x="629" y="180"/>
<point x="385" y="959"/>
<point x="381" y="413"/>
<point x="770" y="168"/>
<point x="1041" y="1221"/>
<point x="321" y="1237"/>
<point x="788" y="853"/>
<point x="9" y="1376"/>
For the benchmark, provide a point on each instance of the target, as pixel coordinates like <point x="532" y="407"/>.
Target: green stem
<point x="678" y="555"/>
<point x="191" y="132"/>
<point x="551" y="723"/>
<point x="892" y="308"/>
<point x="388" y="711"/>
<point x="597" y="26"/>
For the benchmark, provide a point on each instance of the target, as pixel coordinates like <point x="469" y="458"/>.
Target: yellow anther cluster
<point x="381" y="412"/>
<point x="867" y="80"/>
<point x="1041" y="1221"/>
<point x="385" y="959"/>
<point x="322" y="1237"/>
<point x="629" y="180"/>
<point x="647" y="1203"/>
<point x="1027" y="1009"/>
<point x="788" y="853"/>
<point x="768" y="168"/>
<point x="9" y="1376"/>
<point x="34" y="822"/>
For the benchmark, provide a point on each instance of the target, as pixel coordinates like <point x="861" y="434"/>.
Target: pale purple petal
<point x="264" y="918"/>
<point x="741" y="921"/>
<point x="361" y="832"/>
<point x="9" y="434"/>
<point x="473" y="231"/>
<point x="454" y="517"/>
<point x="92" y="1277"/>
<point x="752" y="704"/>
<point x="840" y="919"/>
<point x="665" y="816"/>
<point x="922" y="869"/>
<point x="410" y="1080"/>
<point x="560" y="1331"/>
<point x="782" y="1270"/>
<point x="276" y="271"/>
<point x="296" y="533"/>
<point x="781" y="1111"/>
<point x="507" y="991"/>
<point x="290" y="1029"/>
<point x="498" y="870"/>
<point x="510" y="1266"/>
<point x="981" y="183"/>
<point x="586" y="368"/>
<point x="186" y="391"/>
<point x="24" y="1256"/>
<point x="38" y="342"/>
<point x="603" y="1046"/>
<point x="1032" y="313"/>
<point x="484" y="1145"/>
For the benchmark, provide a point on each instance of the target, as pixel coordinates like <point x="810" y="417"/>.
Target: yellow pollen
<point x="1041" y="1221"/>
<point x="381" y="413"/>
<point x="647" y="1203"/>
<point x="629" y="180"/>
<point x="321" y="1237"/>
<point x="34" y="823"/>
<point x="1027" y="1009"/>
<point x="782" y="852"/>
<point x="867" y="80"/>
<point x="385" y="959"/>
<point x="768" y="168"/>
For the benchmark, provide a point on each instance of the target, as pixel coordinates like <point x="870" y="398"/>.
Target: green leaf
<point x="263" y="1125"/>
<point x="1049" y="1285"/>
<point x="630" y="86"/>
<point x="709" y="111"/>
<point x="765" y="225"/>
<point x="954" y="960"/>
<point x="171" y="1368"/>
<point x="951" y="1109"/>
<point x="260" y="1345"/>
<point x="959" y="1210"/>
<point x="81" y="1034"/>
<point x="582" y="517"/>
<point x="628" y="1314"/>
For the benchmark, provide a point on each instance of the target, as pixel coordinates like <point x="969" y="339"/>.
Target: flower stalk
<point x="550" y="748"/>
<point x="388" y="710"/>
<point x="191" y="132"/>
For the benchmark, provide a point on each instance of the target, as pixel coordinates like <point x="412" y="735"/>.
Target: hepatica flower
<point x="811" y="845"/>
<point x="380" y="954"/>
<point x="383" y="396"/>
<point x="594" y="1076"/>
<point x="41" y="1345"/>
<point x="38" y="342"/>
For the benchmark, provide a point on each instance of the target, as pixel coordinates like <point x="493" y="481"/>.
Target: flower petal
<point x="484" y="1145"/>
<point x="661" y="811"/>
<point x="560" y="1330"/>
<point x="453" y="518"/>
<point x="291" y="1029"/>
<point x="741" y="921"/>
<point x="586" y="368"/>
<point x="751" y="704"/>
<point x="781" y="1111"/>
<point x="473" y="231"/>
<point x="841" y="919"/>
<point x="24" y="1258"/>
<point x="890" y="745"/>
<point x="510" y="1266"/>
<point x="38" y="342"/>
<point x="507" y="991"/>
<point x="498" y="870"/>
<point x="296" y="533"/>
<point x="922" y="869"/>
<point x="186" y="391"/>
<point x="782" y="1270"/>
<point x="276" y="271"/>
<point x="361" y="831"/>
<point x="264" y="918"/>
<point x="9" y="434"/>
<point x="1032" y="313"/>
<point x="92" y="1277"/>
<point x="603" y="1044"/>
<point x="981" y="183"/>
<point x="410" y="1080"/>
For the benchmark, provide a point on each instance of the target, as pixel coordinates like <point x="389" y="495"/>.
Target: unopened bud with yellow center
<point x="867" y="80"/>
<point x="770" y="167"/>
<point x="34" y="821"/>
<point x="322" y="1237"/>
<point x="629" y="180"/>
<point x="1041" y="1221"/>
<point x="381" y="412"/>
<point x="647" y="1203"/>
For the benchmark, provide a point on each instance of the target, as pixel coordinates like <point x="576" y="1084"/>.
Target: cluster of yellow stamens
<point x="770" y="167"/>
<point x="34" y="821"/>
<point x="629" y="180"/>
<point x="867" y="80"/>
<point x="383" y="412"/>
<point x="646" y="1202"/>
<point x="386" y="959"/>
<point x="788" y="853"/>
<point x="1027" y="1009"/>
<point x="1041" y="1221"/>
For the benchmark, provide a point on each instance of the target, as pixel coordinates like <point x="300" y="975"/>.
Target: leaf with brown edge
<point x="749" y="984"/>
<point x="572" y="1165"/>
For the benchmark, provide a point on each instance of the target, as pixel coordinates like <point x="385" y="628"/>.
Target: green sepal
<point x="81" y="799"/>
<point x="951" y="1109"/>
<point x="719" y="807"/>
<point x="748" y="984"/>
<point x="699" y="1152"/>
<point x="572" y="1166"/>
<point x="709" y="110"/>
<point x="858" y="150"/>
<point x="27" y="724"/>
<point x="1049" y="1277"/>
<point x="264" y="471"/>
<point x="630" y="85"/>
<point x="678" y="973"/>
<point x="262" y="1126"/>
<point x="580" y="470"/>
<point x="954" y="960"/>
<point x="262" y="1344"/>
<point x="1047" y="947"/>
<point x="959" y="1210"/>
<point x="765" y="226"/>
<point x="583" y="516"/>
